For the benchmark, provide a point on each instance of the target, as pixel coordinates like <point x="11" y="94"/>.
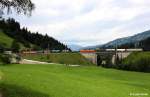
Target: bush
<point x="1" y="61"/>
<point x="4" y="59"/>
<point x="15" y="46"/>
<point x="139" y="61"/>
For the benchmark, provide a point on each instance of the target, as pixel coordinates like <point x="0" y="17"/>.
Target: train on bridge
<point x="107" y="55"/>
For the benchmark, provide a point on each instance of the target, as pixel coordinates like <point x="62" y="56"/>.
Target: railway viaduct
<point x="107" y="56"/>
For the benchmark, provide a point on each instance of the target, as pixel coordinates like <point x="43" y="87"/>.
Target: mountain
<point x="126" y="41"/>
<point x="131" y="39"/>
<point x="74" y="47"/>
<point x="91" y="47"/>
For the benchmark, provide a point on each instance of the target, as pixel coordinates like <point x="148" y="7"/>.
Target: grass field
<point x="62" y="81"/>
<point x="63" y="58"/>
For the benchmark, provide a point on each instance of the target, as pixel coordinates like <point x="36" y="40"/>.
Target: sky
<point x="88" y="22"/>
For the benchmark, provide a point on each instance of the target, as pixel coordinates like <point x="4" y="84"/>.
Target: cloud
<point x="88" y="22"/>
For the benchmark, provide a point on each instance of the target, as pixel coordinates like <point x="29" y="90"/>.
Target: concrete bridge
<point x="107" y="56"/>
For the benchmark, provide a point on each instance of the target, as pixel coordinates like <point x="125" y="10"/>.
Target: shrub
<point x="139" y="61"/>
<point x="4" y="59"/>
<point x="15" y="46"/>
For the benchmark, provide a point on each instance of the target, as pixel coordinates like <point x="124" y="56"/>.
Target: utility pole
<point x="116" y="53"/>
<point x="48" y="47"/>
<point x="137" y="44"/>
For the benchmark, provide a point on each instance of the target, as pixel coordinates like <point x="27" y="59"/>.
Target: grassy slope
<point x="63" y="58"/>
<point x="5" y="40"/>
<point x="62" y="81"/>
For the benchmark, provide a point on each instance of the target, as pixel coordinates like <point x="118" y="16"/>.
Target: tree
<point x="1" y="48"/>
<point x="15" y="46"/>
<point x="145" y="44"/>
<point x="20" y="6"/>
<point x="99" y="60"/>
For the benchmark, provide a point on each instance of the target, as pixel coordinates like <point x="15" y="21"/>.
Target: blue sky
<point x="88" y="22"/>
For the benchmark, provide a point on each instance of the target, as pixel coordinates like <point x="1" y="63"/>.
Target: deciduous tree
<point x="20" y="6"/>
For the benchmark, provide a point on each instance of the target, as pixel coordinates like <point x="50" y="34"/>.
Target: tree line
<point x="35" y="41"/>
<point x="144" y="44"/>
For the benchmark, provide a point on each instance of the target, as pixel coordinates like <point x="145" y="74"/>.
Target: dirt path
<point x="26" y="61"/>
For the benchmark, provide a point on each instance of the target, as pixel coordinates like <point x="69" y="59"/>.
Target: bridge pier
<point x="105" y="57"/>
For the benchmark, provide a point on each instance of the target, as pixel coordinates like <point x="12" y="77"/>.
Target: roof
<point x="87" y="51"/>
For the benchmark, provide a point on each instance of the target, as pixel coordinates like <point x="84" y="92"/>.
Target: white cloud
<point x="88" y="22"/>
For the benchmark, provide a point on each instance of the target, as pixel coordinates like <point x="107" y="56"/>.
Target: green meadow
<point x="64" y="81"/>
<point x="5" y="40"/>
<point x="62" y="58"/>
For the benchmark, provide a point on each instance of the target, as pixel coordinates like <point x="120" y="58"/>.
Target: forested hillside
<point x="145" y="44"/>
<point x="140" y="40"/>
<point x="13" y="32"/>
